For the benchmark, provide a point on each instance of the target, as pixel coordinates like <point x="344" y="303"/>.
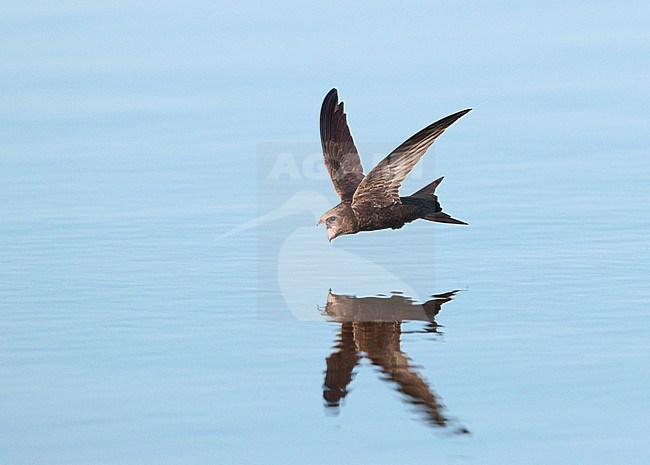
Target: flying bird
<point x="372" y="202"/>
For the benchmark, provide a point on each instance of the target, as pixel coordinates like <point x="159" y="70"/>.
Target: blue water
<point x="136" y="328"/>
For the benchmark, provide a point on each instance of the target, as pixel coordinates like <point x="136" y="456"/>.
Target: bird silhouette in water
<point x="372" y="202"/>
<point x="371" y="327"/>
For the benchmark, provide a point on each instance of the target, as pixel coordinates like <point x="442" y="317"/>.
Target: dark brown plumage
<point x="372" y="202"/>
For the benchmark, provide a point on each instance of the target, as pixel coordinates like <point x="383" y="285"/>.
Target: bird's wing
<point x="380" y="187"/>
<point x="339" y="153"/>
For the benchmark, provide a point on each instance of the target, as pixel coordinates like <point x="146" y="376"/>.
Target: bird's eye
<point x="330" y="219"/>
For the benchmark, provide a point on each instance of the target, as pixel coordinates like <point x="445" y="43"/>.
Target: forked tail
<point x="442" y="217"/>
<point x="429" y="192"/>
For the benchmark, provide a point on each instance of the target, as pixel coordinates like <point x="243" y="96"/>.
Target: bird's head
<point x="339" y="220"/>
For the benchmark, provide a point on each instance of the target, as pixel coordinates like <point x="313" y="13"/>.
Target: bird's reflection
<point x="371" y="327"/>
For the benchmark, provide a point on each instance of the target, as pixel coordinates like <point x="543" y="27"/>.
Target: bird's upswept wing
<point x="380" y="187"/>
<point x="339" y="153"/>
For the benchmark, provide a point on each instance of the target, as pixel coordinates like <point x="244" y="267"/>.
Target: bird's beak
<point x="320" y="221"/>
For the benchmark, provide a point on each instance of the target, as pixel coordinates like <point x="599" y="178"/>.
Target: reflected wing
<point x="340" y="366"/>
<point x="339" y="153"/>
<point x="381" y="343"/>
<point x="397" y="368"/>
<point x="380" y="187"/>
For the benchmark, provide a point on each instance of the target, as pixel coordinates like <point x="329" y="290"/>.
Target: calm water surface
<point x="134" y="328"/>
